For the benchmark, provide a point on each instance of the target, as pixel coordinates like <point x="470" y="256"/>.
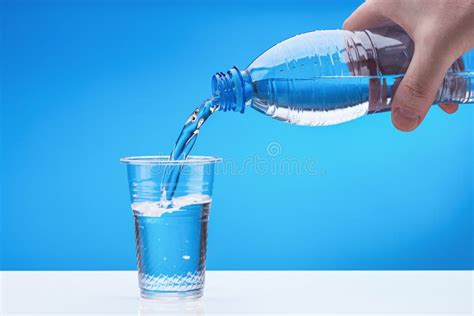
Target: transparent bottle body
<point x="330" y="77"/>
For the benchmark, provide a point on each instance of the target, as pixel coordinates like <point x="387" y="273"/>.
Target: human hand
<point x="443" y="30"/>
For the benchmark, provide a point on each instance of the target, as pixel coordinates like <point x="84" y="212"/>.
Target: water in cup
<point x="171" y="234"/>
<point x="171" y="243"/>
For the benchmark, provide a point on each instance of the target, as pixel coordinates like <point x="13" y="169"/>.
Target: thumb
<point x="418" y="89"/>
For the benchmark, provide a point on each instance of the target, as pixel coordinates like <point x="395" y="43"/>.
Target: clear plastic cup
<point x="171" y="234"/>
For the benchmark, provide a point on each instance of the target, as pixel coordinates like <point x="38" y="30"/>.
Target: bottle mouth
<point x="228" y="88"/>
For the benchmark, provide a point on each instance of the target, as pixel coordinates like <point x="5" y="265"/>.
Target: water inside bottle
<point x="324" y="100"/>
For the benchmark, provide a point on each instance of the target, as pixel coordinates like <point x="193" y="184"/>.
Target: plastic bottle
<point x="329" y="77"/>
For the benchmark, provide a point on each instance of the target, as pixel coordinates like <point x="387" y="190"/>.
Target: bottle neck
<point x="233" y="89"/>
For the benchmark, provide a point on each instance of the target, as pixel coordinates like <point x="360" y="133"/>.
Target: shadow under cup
<point x="171" y="227"/>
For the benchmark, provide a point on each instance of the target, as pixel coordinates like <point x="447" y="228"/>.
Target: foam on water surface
<point x="159" y="208"/>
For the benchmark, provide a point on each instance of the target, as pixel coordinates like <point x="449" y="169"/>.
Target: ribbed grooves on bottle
<point x="353" y="56"/>
<point x="223" y="88"/>
<point x="372" y="56"/>
<point x="362" y="57"/>
<point x="470" y="89"/>
<point x="228" y="87"/>
<point x="457" y="85"/>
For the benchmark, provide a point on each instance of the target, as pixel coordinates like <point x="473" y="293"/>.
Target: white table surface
<point x="245" y="292"/>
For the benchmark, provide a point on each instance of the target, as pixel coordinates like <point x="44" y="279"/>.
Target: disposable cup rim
<point x="164" y="160"/>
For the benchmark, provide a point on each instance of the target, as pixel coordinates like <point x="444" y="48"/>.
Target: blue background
<point x="87" y="82"/>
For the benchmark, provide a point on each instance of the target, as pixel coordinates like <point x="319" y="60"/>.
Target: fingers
<point x="418" y="89"/>
<point x="364" y="17"/>
<point x="449" y="108"/>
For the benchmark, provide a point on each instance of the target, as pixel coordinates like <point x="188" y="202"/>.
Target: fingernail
<point x="406" y="119"/>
